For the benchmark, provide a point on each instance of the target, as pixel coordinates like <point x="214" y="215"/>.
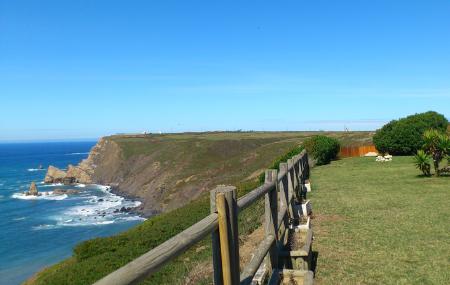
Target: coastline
<point x="140" y="210"/>
<point x="41" y="230"/>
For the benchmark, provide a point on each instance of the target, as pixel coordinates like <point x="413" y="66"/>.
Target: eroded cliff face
<point x="168" y="171"/>
<point x="105" y="154"/>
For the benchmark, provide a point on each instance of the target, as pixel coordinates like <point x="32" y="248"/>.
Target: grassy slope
<point x="380" y="223"/>
<point x="95" y="258"/>
<point x="167" y="171"/>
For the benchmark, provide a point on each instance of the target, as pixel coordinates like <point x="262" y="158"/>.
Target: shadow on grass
<point x="315" y="257"/>
<point x="422" y="176"/>
<point x="442" y="175"/>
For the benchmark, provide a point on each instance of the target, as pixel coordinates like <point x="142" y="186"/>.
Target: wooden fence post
<point x="295" y="175"/>
<point x="229" y="234"/>
<point x="217" y="262"/>
<point x="287" y="187"/>
<point x="298" y="171"/>
<point x="271" y="220"/>
<point x="306" y="163"/>
<point x="224" y="238"/>
<point x="301" y="169"/>
<point x="291" y="194"/>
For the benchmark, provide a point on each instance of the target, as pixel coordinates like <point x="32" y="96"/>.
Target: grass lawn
<point x="380" y="223"/>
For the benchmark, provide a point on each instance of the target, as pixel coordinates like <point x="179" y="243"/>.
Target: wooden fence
<point x="284" y="192"/>
<point x="355" y="151"/>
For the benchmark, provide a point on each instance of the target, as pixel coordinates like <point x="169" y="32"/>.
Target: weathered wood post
<point x="295" y="174"/>
<point x="224" y="239"/>
<point x="226" y="203"/>
<point x="291" y="172"/>
<point x="291" y="188"/>
<point x="217" y="261"/>
<point x="306" y="162"/>
<point x="287" y="189"/>
<point x="298" y="182"/>
<point x="271" y="219"/>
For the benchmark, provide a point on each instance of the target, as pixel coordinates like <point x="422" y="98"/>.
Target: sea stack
<point x="33" y="190"/>
<point x="54" y="175"/>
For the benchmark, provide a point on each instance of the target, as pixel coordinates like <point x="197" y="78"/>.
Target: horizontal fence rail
<point x="279" y="190"/>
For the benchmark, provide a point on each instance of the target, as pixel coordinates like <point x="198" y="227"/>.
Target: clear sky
<point x="83" y="69"/>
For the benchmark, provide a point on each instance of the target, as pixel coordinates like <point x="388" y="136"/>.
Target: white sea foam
<point x="131" y="218"/>
<point x="52" y="185"/>
<point x="104" y="188"/>
<point x="92" y="209"/>
<point x="45" y="227"/>
<point x="19" y="219"/>
<point x="44" y="196"/>
<point x="77" y="153"/>
<point x="81" y="185"/>
<point x="35" y="169"/>
<point x="100" y="210"/>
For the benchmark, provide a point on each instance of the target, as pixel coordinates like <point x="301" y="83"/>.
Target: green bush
<point x="437" y="145"/>
<point x="404" y="136"/>
<point x="322" y="148"/>
<point x="422" y="161"/>
<point x="276" y="164"/>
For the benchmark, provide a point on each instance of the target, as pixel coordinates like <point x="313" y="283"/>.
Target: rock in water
<point x="78" y="174"/>
<point x="33" y="190"/>
<point x="54" y="175"/>
<point x="68" y="192"/>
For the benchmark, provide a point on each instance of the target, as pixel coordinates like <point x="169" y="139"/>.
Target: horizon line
<point x="61" y="140"/>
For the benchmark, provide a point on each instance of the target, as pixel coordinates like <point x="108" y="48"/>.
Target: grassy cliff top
<point x="146" y="143"/>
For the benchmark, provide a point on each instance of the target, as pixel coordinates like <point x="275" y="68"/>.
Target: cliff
<point x="168" y="171"/>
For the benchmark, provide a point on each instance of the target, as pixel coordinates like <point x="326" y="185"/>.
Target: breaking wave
<point x="44" y="196"/>
<point x="52" y="184"/>
<point x="77" y="153"/>
<point x="94" y="209"/>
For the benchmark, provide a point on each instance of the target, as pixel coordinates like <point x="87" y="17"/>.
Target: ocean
<point x="36" y="232"/>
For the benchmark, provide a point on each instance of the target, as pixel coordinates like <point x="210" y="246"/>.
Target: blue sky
<point x="83" y="69"/>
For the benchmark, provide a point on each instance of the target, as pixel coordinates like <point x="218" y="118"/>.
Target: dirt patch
<point x="200" y="272"/>
<point x="249" y="244"/>
<point x="255" y="174"/>
<point x="328" y="218"/>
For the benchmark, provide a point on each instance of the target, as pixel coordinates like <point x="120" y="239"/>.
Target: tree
<point x="405" y="136"/>
<point x="437" y="145"/>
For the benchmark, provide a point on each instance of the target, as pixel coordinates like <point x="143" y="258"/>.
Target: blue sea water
<point x="39" y="231"/>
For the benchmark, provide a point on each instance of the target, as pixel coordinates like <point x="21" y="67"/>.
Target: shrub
<point x="404" y="136"/>
<point x="422" y="161"/>
<point x="322" y="148"/>
<point x="437" y="145"/>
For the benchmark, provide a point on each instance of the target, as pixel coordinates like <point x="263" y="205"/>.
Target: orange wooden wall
<point x="354" y="151"/>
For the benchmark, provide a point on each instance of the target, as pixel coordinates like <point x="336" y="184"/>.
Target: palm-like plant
<point x="437" y="145"/>
<point x="422" y="160"/>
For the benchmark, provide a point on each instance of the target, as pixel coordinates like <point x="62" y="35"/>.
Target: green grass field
<point x="380" y="223"/>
